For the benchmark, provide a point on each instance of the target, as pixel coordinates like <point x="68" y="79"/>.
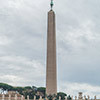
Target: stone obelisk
<point x="51" y="75"/>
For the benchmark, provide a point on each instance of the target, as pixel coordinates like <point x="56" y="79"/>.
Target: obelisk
<point x="51" y="75"/>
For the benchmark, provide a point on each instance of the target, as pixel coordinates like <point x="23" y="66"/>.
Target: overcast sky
<point x="23" y="32"/>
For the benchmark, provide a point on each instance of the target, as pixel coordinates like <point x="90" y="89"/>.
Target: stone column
<point x="65" y="97"/>
<point x="75" y="97"/>
<point x="34" y="97"/>
<point x="46" y="98"/>
<point x="27" y="97"/>
<point x="15" y="96"/>
<point x="9" y="97"/>
<point x="22" y="97"/>
<point x="72" y="97"/>
<point x="59" y="97"/>
<point x="54" y="98"/>
<point x="88" y="97"/>
<point x="3" y="96"/>
<point x="40" y="98"/>
<point x="84" y="97"/>
<point x="95" y="97"/>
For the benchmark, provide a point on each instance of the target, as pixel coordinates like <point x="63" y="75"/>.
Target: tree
<point x="6" y="86"/>
<point x="69" y="98"/>
<point x="50" y="97"/>
<point x="62" y="95"/>
<point x="42" y="89"/>
<point x="28" y="87"/>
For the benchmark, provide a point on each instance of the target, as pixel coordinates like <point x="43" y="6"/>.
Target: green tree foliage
<point x="31" y="91"/>
<point x="6" y="87"/>
<point x="20" y="89"/>
<point x="28" y="87"/>
<point x="50" y="97"/>
<point x="62" y="95"/>
<point x="41" y="89"/>
<point x="69" y="98"/>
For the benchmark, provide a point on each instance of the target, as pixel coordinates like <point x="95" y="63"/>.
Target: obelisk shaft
<point x="51" y="79"/>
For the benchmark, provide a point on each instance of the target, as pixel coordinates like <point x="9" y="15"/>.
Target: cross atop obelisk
<point x="51" y="77"/>
<point x="51" y="4"/>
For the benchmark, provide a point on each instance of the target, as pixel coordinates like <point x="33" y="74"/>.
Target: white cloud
<point x="4" y="40"/>
<point x="22" y="69"/>
<point x="11" y="79"/>
<point x="74" y="88"/>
